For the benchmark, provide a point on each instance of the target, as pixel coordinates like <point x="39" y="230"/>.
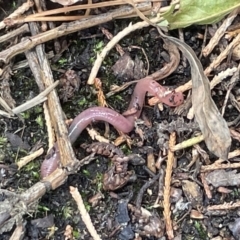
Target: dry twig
<point x="167" y="187"/>
<point x="187" y="143"/>
<point x="25" y="160"/>
<point x="206" y="186"/>
<point x="224" y="206"/>
<point x="220" y="32"/>
<point x="216" y="80"/>
<point x="21" y="30"/>
<point x="41" y="97"/>
<point x="22" y="9"/>
<point x="84" y="214"/>
<point x="66" y="29"/>
<point x="218" y="165"/>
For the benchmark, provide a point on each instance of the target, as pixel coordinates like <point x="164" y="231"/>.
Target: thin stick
<point x="84" y="214"/>
<point x="91" y="6"/>
<point x="36" y="100"/>
<point x="21" y="30"/>
<point x="214" y="64"/>
<point x="25" y="160"/>
<point x="167" y="187"/>
<point x="224" y="206"/>
<point x="23" y="8"/>
<point x="66" y="29"/>
<point x="188" y="143"/>
<point x="216" y="165"/>
<point x="219" y="33"/>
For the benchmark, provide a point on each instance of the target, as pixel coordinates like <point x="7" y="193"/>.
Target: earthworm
<point x="124" y="123"/>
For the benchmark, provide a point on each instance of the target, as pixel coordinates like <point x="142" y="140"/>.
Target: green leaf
<point x="39" y="121"/>
<point x="199" y="12"/>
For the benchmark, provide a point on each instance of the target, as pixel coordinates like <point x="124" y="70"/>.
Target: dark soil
<point x="58" y="207"/>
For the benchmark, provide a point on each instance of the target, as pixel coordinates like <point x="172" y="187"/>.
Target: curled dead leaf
<point x="213" y="126"/>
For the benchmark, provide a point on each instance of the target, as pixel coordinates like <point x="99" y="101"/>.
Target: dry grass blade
<point x="206" y="112"/>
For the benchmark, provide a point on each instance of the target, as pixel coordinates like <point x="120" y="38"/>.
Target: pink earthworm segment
<point x="120" y="122"/>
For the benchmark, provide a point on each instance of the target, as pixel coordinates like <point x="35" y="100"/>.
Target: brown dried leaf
<point x="126" y="68"/>
<point x="193" y="193"/>
<point x="207" y="115"/>
<point x="69" y="83"/>
<point x="223" y="178"/>
<point x="149" y="224"/>
<point x="196" y="214"/>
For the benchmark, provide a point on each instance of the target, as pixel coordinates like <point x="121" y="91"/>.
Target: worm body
<point x="123" y="123"/>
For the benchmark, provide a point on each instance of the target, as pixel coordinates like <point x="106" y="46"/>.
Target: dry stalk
<point x="44" y="74"/>
<point x="44" y="15"/>
<point x="216" y="80"/>
<point x="95" y="135"/>
<point x="206" y="186"/>
<point x="66" y="29"/>
<point x="22" y="9"/>
<point x="4" y="104"/>
<point x="84" y="214"/>
<point x="167" y="187"/>
<point x="232" y="83"/>
<point x="21" y="30"/>
<point x="109" y="36"/>
<point x="224" y="206"/>
<point x="18" y="233"/>
<point x="25" y="160"/>
<point x="188" y="143"/>
<point x="50" y="130"/>
<point x="217" y="165"/>
<point x="220" y="32"/>
<point x="214" y="166"/>
<point x="41" y="97"/>
<point x="37" y="71"/>
<point x="221" y="76"/>
<point x="39" y="9"/>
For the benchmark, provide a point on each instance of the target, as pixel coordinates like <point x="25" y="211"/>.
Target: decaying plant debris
<point x="163" y="181"/>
